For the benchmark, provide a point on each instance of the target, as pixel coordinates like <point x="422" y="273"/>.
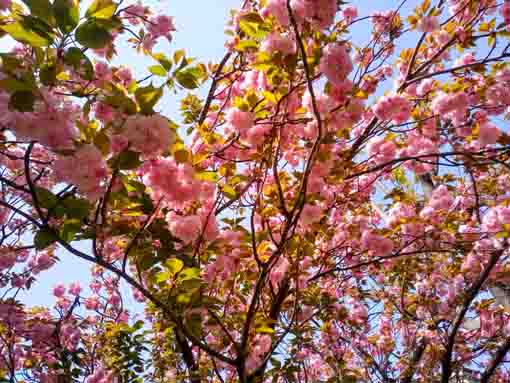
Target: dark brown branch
<point x="212" y="89"/>
<point x="30" y="183"/>
<point x="498" y="359"/>
<point x="472" y="292"/>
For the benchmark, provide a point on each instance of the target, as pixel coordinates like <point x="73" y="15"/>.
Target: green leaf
<point x="133" y="186"/>
<point x="40" y="8"/>
<point x="158" y="70"/>
<point x="67" y="13"/>
<point x="229" y="191"/>
<point x="48" y="74"/>
<point x="163" y="277"/>
<point x="127" y="160"/>
<point x="207" y="176"/>
<point x="13" y="85"/>
<point x="146" y="261"/>
<point x="101" y="9"/>
<point x="189" y="78"/>
<point x="10" y="63"/>
<point x="163" y="60"/>
<point x="178" y="55"/>
<point x="45" y="198"/>
<point x="264" y="330"/>
<point x="246" y="44"/>
<point x="174" y="265"/>
<point x="18" y="31"/>
<point x="147" y="97"/>
<point x="189" y="273"/>
<point x="252" y="17"/>
<point x="102" y="142"/>
<point x="254" y="30"/>
<point x="22" y="101"/>
<point x="93" y="34"/>
<point x="76" y="58"/>
<point x="44" y="238"/>
<point x="122" y="102"/>
<point x="77" y="208"/>
<point x="38" y="26"/>
<point x="69" y="229"/>
<point x="182" y="155"/>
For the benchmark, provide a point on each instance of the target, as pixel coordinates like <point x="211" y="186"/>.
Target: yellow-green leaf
<point x="101" y="9"/>
<point x="18" y="32"/>
<point x="158" y="70"/>
<point x="174" y="265"/>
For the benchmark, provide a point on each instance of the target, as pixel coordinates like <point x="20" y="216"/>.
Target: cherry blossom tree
<point x="326" y="209"/>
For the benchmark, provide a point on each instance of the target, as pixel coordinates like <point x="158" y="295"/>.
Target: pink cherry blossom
<point x="86" y="169"/>
<point x="336" y="63"/>
<point x="134" y="13"/>
<point x="75" y="288"/>
<point x="488" y="134"/>
<point x="150" y="135"/>
<point x="394" y="107"/>
<point x="186" y="228"/>
<point x="381" y="150"/>
<point x="276" y="42"/>
<point x="428" y="24"/>
<point x="238" y="120"/>
<point x="161" y="25"/>
<point x="349" y="13"/>
<point x="5" y="4"/>
<point x="59" y="290"/>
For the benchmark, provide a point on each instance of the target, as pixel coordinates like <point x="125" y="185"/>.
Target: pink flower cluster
<point x="175" y="183"/>
<point x="242" y="123"/>
<point x="440" y="202"/>
<point x="8" y="258"/>
<point x="311" y="214"/>
<point x="358" y="314"/>
<point x="381" y="150"/>
<point x="488" y="134"/>
<point x="260" y="345"/>
<point x="382" y="21"/>
<point x="400" y="213"/>
<point x="86" y="169"/>
<point x="336" y="64"/>
<point x="394" y="107"/>
<point x="190" y="227"/>
<point x="495" y="218"/>
<point x="377" y="245"/>
<point x="428" y="24"/>
<point x="157" y="26"/>
<point x="349" y="13"/>
<point x="498" y="96"/>
<point x="43" y="260"/>
<point x="278" y="9"/>
<point x="5" y="4"/>
<point x="505" y="11"/>
<point x="51" y="124"/>
<point x="278" y="271"/>
<point x="418" y="145"/>
<point x="451" y="105"/>
<point x="149" y="135"/>
<point x="100" y="376"/>
<point x="277" y="42"/>
<point x="405" y="215"/>
<point x="161" y="26"/>
<point x="320" y="13"/>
